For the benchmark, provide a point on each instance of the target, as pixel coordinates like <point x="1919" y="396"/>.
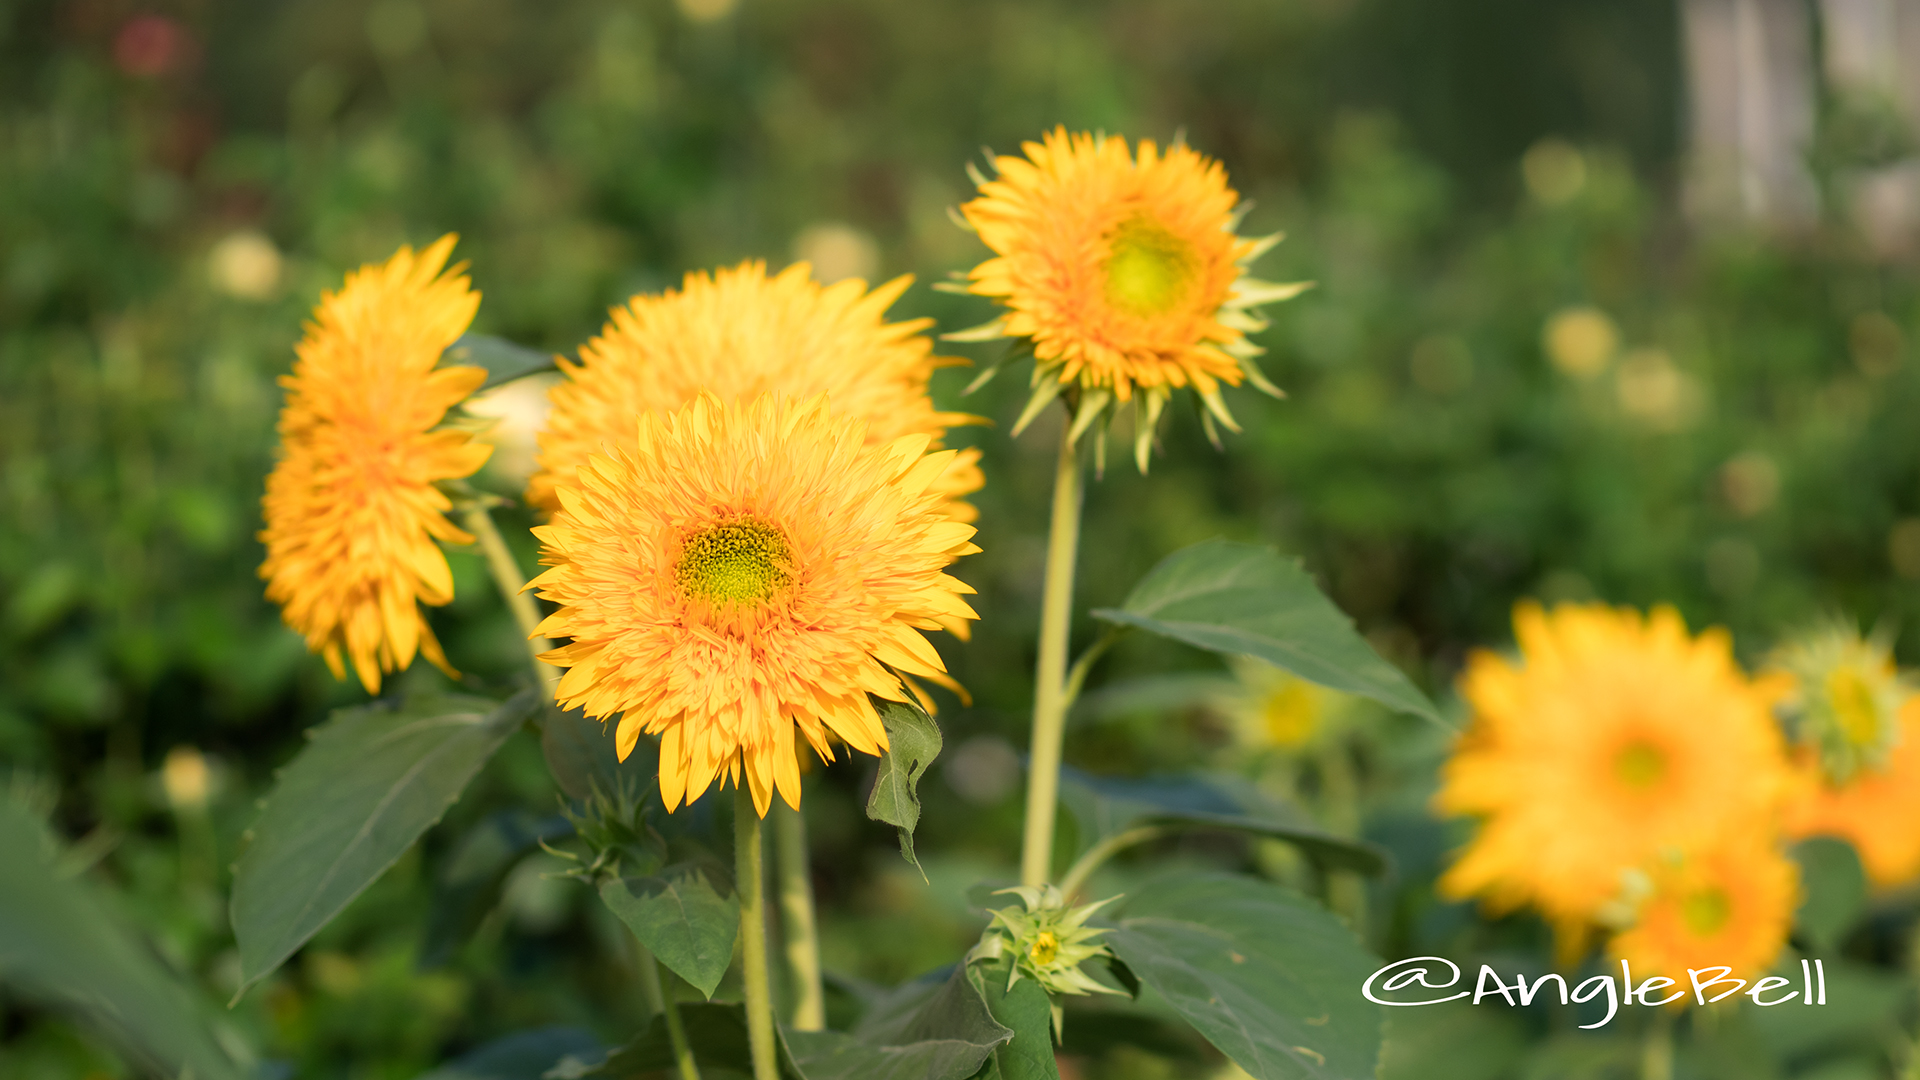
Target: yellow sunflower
<point x="351" y="507"/>
<point x="738" y="334"/>
<point x="1877" y="809"/>
<point x="1731" y="905"/>
<point x="739" y="571"/>
<point x="1846" y="703"/>
<point x="1615" y="740"/>
<point x="1124" y="272"/>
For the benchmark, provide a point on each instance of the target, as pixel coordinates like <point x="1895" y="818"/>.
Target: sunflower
<point x="738" y="334"/>
<point x="1877" y="809"/>
<point x="351" y="507"/>
<point x="1276" y="709"/>
<point x="1616" y="740"/>
<point x="739" y="571"/>
<point x="1846" y="704"/>
<point x="1124" y="272"/>
<point x="1730" y="905"/>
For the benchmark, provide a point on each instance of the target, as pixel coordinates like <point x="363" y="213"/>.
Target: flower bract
<point x="741" y="571"/>
<point x="1876" y="809"/>
<point x="1124" y="272"/>
<point x="1614" y="740"/>
<point x="1047" y="940"/>
<point x="737" y="334"/>
<point x="351" y="509"/>
<point x="1846" y="701"/>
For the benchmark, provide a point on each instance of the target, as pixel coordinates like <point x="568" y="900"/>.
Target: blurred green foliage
<point x="179" y="180"/>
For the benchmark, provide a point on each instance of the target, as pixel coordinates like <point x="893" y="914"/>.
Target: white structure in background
<point x="1752" y="92"/>
<point x="1750" y="82"/>
<point x="1872" y="54"/>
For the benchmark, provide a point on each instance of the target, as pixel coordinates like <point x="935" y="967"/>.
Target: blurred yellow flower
<point x="1614" y="740"/>
<point x="351" y="508"/>
<point x="1581" y="341"/>
<point x="738" y="334"/>
<point x="742" y="570"/>
<point x="1877" y="810"/>
<point x="1845" y="707"/>
<point x="1730" y="905"/>
<point x="1125" y="273"/>
<point x="1277" y="708"/>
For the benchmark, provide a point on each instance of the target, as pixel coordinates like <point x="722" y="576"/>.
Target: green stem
<point x="1049" y="691"/>
<point x="506" y="574"/>
<point x="659" y="1001"/>
<point x="797" y="924"/>
<point x="1340" y="811"/>
<point x="748" y="883"/>
<point x="1084" y="867"/>
<point x="1656" y="1053"/>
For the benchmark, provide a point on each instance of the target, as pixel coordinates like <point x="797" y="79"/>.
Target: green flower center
<point x="1640" y="765"/>
<point x="1045" y="948"/>
<point x="1854" y="706"/>
<point x="1705" y="912"/>
<point x="1149" y="270"/>
<point x="741" y="562"/>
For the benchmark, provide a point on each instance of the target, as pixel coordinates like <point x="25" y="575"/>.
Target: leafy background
<point x="1430" y="465"/>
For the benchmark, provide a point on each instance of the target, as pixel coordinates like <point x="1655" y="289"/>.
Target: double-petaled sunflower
<point x="1615" y="741"/>
<point x="738" y="334"/>
<point x="740" y="571"/>
<point x="1727" y="906"/>
<point x="1124" y="273"/>
<point x="351" y="508"/>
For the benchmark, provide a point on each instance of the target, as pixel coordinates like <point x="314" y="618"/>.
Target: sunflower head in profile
<point x="1876" y="809"/>
<point x="1122" y="272"/>
<point x="1614" y="739"/>
<point x="351" y="509"/>
<point x="1730" y="905"/>
<point x="737" y="334"/>
<point x="740" y="572"/>
<point x="1847" y="696"/>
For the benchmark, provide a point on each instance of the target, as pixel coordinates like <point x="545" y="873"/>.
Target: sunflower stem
<point x="1656" y="1053"/>
<point x="799" y="931"/>
<point x="747" y="881"/>
<point x="506" y="574"/>
<point x="1049" y="692"/>
<point x="660" y="1002"/>
<point x="1083" y="867"/>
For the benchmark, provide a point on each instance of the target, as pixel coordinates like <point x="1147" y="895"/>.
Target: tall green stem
<point x="661" y="1002"/>
<point x="1656" y="1053"/>
<point x="748" y="882"/>
<point x="506" y="574"/>
<point x="797" y="925"/>
<point x="1340" y="811"/>
<point x="1049" y="691"/>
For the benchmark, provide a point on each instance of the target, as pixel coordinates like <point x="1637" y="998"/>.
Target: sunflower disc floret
<point x="1125" y="275"/>
<point x="352" y="510"/>
<point x="739" y="572"/>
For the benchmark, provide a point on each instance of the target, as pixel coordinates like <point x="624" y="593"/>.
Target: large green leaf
<point x="469" y="886"/>
<point x="61" y="943"/>
<point x="1106" y="805"/>
<point x="1834" y="887"/>
<point x="681" y="919"/>
<point x="369" y="783"/>
<point x="717" y="1034"/>
<point x="948" y="1033"/>
<point x="1240" y="598"/>
<point x="524" y="1055"/>
<point x="1025" y="1009"/>
<point x="504" y="360"/>
<point x="913" y="742"/>
<point x="1270" y="979"/>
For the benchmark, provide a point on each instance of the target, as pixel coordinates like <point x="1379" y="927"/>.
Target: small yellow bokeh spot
<point x="706" y="10"/>
<point x="186" y="779"/>
<point x="1652" y="390"/>
<point x="837" y="251"/>
<point x="1750" y="483"/>
<point x="1903" y="548"/>
<point x="1581" y="341"/>
<point x="1555" y="171"/>
<point x="245" y="264"/>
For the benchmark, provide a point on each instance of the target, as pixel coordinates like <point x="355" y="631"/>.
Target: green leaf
<point x="717" y="1034"/>
<point x="1024" y="1009"/>
<point x="1106" y="805"/>
<point x="524" y="1055"/>
<point x="504" y="360"/>
<point x="913" y="742"/>
<point x="469" y="886"/>
<point x="1835" y="887"/>
<point x="679" y="917"/>
<point x="62" y="943"/>
<point x="1240" y="598"/>
<point x="581" y="754"/>
<point x="1270" y="979"/>
<point x="949" y="1035"/>
<point x="369" y="783"/>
